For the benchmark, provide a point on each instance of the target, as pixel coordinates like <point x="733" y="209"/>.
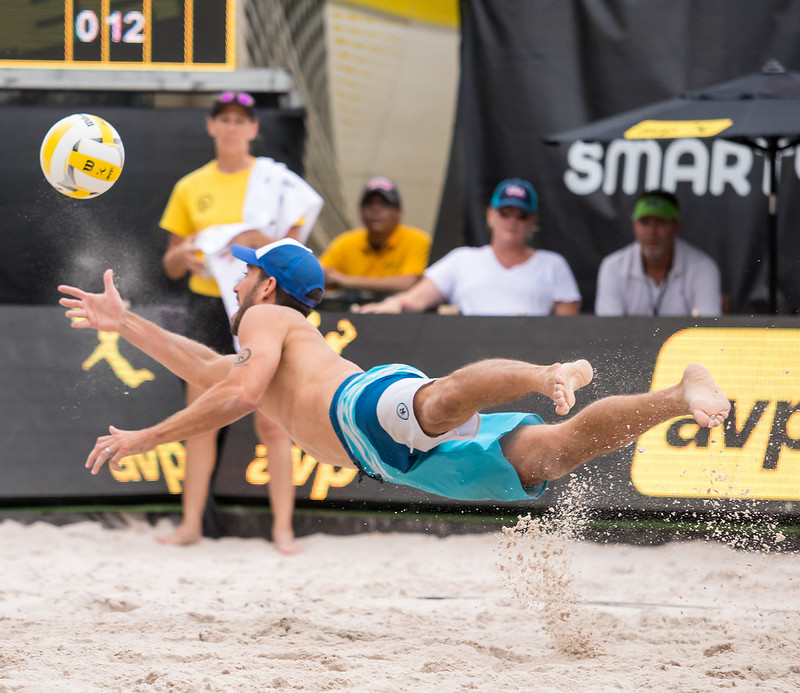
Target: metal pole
<point x="772" y="226"/>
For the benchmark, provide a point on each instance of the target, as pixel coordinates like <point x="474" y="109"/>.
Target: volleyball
<point x="82" y="156"/>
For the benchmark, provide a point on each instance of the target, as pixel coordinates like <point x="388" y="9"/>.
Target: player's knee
<point x="539" y="453"/>
<point x="433" y="406"/>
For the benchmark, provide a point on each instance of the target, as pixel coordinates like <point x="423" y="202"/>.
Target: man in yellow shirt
<point x="230" y="190"/>
<point x="383" y="256"/>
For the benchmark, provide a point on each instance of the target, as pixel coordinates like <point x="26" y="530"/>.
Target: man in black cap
<point x="385" y="255"/>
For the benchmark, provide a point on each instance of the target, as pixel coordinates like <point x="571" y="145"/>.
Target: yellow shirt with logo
<point x="406" y="252"/>
<point x="202" y="198"/>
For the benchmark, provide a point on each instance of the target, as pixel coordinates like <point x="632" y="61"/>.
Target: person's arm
<point x="566" y="294"/>
<point x="390" y="284"/>
<point x="181" y="257"/>
<point x="706" y="290"/>
<point x="608" y="301"/>
<point x="418" y="298"/>
<point x="189" y="360"/>
<point x="255" y="238"/>
<point x="566" y="308"/>
<point x="229" y="400"/>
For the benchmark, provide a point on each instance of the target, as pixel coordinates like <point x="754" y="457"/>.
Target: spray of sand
<point x="536" y="561"/>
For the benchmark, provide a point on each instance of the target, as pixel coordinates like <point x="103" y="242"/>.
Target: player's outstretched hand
<point x="101" y="311"/>
<point x="113" y="447"/>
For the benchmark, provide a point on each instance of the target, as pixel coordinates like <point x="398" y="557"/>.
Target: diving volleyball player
<point x="392" y="422"/>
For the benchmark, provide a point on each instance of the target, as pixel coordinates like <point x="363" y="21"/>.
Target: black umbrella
<point x="760" y="110"/>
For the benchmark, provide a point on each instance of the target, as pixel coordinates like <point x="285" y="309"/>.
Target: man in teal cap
<point x="507" y="276"/>
<point x="658" y="274"/>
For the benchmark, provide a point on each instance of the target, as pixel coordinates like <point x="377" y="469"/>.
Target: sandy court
<point x="84" y="608"/>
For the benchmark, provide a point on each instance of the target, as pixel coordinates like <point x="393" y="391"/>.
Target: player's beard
<point x="244" y="304"/>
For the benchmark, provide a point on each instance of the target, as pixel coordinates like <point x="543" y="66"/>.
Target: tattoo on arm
<point x="244" y="355"/>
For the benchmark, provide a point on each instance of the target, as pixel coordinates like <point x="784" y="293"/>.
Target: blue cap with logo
<point x="515" y="192"/>
<point x="293" y="265"/>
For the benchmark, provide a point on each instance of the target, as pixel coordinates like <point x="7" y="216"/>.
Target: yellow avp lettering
<point x="257" y="472"/>
<point x="169" y="457"/>
<point x="303" y="466"/>
<point x="328" y="477"/>
<point x="336" y="340"/>
<point x="756" y="454"/>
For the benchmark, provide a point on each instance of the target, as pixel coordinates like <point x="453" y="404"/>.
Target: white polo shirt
<point x="475" y="281"/>
<point x="692" y="286"/>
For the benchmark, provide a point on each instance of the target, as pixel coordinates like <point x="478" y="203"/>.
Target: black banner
<point x="532" y="69"/>
<point x="62" y="388"/>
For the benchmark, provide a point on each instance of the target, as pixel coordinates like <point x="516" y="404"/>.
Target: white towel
<point x="275" y="200"/>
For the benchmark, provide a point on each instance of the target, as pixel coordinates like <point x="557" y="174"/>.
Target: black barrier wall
<point x="61" y="388"/>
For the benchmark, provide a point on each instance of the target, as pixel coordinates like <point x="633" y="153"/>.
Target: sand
<point x="85" y="608"/>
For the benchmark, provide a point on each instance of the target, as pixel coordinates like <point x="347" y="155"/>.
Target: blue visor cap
<point x="515" y="192"/>
<point x="293" y="265"/>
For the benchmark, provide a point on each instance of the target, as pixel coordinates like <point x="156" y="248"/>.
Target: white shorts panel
<point x="395" y="412"/>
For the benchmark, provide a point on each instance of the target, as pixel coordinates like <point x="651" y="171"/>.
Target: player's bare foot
<point x="706" y="402"/>
<point x="285" y="543"/>
<point x="182" y="536"/>
<point x="568" y="378"/>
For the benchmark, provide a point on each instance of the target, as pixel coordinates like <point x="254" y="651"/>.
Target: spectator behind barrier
<point x="658" y="274"/>
<point x="384" y="256"/>
<point x="506" y="277"/>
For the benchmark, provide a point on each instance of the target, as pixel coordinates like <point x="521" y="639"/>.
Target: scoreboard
<point x="118" y="34"/>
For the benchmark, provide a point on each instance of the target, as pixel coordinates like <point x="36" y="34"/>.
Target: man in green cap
<point x="658" y="274"/>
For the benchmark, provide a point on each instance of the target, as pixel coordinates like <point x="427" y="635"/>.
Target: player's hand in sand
<point x="112" y="448"/>
<point x="100" y="311"/>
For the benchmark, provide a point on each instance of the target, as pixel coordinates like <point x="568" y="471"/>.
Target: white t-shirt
<point x="691" y="288"/>
<point x="474" y="280"/>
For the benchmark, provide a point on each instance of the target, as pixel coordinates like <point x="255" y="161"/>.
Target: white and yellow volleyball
<point x="82" y="156"/>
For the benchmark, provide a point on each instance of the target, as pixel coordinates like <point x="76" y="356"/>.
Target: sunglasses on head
<point x="241" y="97"/>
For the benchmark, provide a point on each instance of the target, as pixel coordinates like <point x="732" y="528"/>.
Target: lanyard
<point x="662" y="290"/>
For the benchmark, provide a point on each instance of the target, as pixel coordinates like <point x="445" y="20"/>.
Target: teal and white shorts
<point x="373" y="416"/>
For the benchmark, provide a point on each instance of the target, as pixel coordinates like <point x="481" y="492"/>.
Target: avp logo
<point x="756" y="454"/>
<point x="402" y="411"/>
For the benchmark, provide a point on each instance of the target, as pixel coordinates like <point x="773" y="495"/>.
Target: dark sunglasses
<point x="515" y="212"/>
<point x="241" y="97"/>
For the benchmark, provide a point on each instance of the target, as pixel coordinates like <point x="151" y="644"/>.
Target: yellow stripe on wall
<point x="444" y="12"/>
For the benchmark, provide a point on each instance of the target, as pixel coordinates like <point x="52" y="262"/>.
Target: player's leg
<point x="448" y="402"/>
<point x="201" y="457"/>
<point x="281" y="488"/>
<point x="547" y="452"/>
